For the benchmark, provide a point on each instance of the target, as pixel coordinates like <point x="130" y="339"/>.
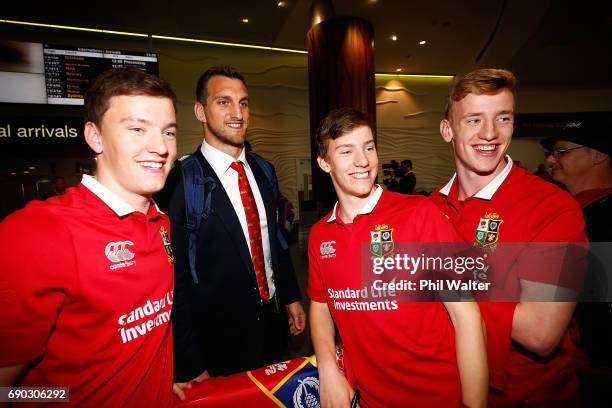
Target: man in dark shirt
<point x="580" y="159"/>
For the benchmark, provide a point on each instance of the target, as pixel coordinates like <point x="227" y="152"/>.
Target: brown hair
<point x="480" y="81"/>
<point x="122" y="81"/>
<point x="201" y="90"/>
<point x="337" y="123"/>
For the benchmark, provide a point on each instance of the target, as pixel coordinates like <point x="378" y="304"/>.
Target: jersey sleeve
<point x="315" y="283"/>
<point x="38" y="275"/>
<point x="556" y="253"/>
<point x="496" y="315"/>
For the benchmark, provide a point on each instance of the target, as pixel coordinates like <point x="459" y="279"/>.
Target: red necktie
<point x="252" y="217"/>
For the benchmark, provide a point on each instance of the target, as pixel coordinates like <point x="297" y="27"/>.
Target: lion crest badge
<point x="381" y="240"/>
<point x="487" y="231"/>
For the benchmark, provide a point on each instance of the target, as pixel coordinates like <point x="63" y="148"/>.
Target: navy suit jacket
<point x="221" y="324"/>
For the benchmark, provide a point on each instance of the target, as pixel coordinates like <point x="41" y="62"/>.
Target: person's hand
<point x="178" y="387"/>
<point x="297" y="318"/>
<point x="335" y="391"/>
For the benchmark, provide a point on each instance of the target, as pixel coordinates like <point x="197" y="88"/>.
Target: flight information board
<point x="68" y="70"/>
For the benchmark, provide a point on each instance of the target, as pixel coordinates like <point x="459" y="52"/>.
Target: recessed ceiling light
<point x="245" y="20"/>
<point x="26" y="172"/>
<point x="394" y="37"/>
<point x="32" y="168"/>
<point x="281" y="4"/>
<point x="422" y="42"/>
<point x="398" y="69"/>
<point x="13" y="174"/>
<point x="155" y="36"/>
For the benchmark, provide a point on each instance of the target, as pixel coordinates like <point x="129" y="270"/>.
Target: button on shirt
<point x="221" y="162"/>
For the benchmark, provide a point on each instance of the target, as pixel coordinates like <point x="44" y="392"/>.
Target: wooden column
<point x="340" y="73"/>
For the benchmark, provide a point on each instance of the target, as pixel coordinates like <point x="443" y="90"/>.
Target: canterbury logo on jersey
<point x="327" y="249"/>
<point x="118" y="251"/>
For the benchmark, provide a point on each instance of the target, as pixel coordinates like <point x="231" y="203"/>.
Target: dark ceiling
<point x="545" y="42"/>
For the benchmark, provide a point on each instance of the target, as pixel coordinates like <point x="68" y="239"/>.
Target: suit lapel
<point x="269" y="201"/>
<point x="223" y="208"/>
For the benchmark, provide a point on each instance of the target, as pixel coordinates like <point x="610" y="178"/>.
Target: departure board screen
<point x="68" y="70"/>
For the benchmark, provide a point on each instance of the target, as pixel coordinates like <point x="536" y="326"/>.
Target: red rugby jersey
<point x="88" y="290"/>
<point x="528" y="209"/>
<point x="395" y="352"/>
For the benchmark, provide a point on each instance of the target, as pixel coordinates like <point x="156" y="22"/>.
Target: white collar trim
<point x="486" y="193"/>
<point x="109" y="198"/>
<point x="367" y="208"/>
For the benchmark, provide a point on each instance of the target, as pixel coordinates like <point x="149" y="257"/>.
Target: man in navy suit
<point x="239" y="310"/>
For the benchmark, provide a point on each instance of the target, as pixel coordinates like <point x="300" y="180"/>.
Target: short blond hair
<point x="480" y="81"/>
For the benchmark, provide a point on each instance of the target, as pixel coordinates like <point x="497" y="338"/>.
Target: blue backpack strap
<point x="198" y="189"/>
<point x="273" y="182"/>
<point x="268" y="171"/>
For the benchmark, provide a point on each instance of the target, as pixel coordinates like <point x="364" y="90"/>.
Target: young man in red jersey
<point x="395" y="352"/>
<point x="491" y="201"/>
<point x="86" y="284"/>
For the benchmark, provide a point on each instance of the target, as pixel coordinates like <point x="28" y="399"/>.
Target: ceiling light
<point x="193" y="40"/>
<point x="227" y="44"/>
<point x="63" y="27"/>
<point x="158" y="37"/>
<point x="26" y="172"/>
<point x="398" y="70"/>
<point x="394" y="37"/>
<point x="417" y="76"/>
<point x="281" y="4"/>
<point x="32" y="168"/>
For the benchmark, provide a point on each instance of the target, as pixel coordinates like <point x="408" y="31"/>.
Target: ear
<point x="323" y="164"/>
<point x="446" y="131"/>
<point x="599" y="157"/>
<point x="198" y="110"/>
<point x="93" y="137"/>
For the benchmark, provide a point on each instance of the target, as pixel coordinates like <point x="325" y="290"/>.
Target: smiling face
<point x="480" y="130"/>
<point x="135" y="145"/>
<point x="225" y="115"/>
<point x="352" y="163"/>
<point x="572" y="165"/>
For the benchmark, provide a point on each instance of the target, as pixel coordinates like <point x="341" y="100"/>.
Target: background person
<point x="408" y="181"/>
<point x="542" y="172"/>
<point x="580" y="159"/>
<point x="59" y="187"/>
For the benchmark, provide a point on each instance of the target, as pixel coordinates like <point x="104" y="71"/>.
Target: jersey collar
<point x="366" y="209"/>
<point x="486" y="193"/>
<point x="109" y="198"/>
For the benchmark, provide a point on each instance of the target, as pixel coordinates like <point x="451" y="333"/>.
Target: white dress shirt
<point x="221" y="162"/>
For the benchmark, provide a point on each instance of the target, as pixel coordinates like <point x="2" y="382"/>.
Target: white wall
<point x="409" y="111"/>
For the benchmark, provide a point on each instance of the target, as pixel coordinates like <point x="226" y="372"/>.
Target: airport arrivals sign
<point x="28" y="137"/>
